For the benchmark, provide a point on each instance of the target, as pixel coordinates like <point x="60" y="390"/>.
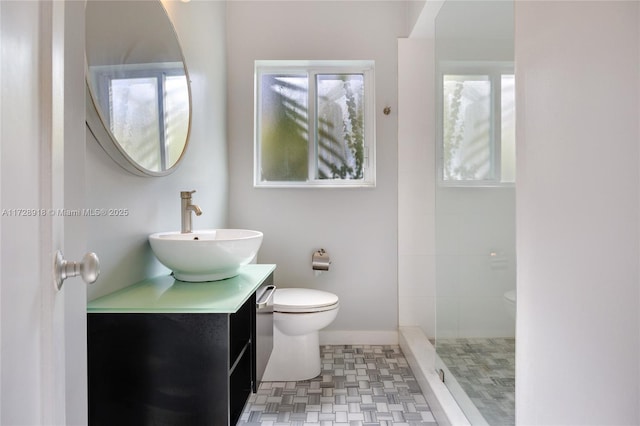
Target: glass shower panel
<point x="475" y="207"/>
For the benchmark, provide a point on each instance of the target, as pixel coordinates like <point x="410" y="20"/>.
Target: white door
<point x="42" y="330"/>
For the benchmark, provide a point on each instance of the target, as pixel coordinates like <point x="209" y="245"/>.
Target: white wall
<point x="577" y="213"/>
<point x="358" y="227"/>
<point x="414" y="11"/>
<point x="154" y="203"/>
<point x="416" y="185"/>
<point x="471" y="224"/>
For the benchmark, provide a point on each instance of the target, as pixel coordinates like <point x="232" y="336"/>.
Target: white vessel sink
<point x="206" y="255"/>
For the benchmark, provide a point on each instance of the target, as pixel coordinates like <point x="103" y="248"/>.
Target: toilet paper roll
<point x="320" y="261"/>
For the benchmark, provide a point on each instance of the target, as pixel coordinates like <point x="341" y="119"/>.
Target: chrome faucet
<point x="186" y="209"/>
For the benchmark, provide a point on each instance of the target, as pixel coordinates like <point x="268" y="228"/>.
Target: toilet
<point x="510" y="303"/>
<point x="298" y="315"/>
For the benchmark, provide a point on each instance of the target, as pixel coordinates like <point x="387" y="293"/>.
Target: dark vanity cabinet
<point x="173" y="368"/>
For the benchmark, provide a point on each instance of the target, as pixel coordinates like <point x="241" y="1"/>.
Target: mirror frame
<point x="97" y="124"/>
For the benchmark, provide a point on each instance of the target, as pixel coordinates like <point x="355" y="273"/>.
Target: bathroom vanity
<point x="176" y="353"/>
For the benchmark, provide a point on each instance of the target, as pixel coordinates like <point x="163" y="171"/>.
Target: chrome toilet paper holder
<point x="320" y="260"/>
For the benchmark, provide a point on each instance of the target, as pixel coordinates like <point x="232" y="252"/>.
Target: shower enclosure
<point x="475" y="207"/>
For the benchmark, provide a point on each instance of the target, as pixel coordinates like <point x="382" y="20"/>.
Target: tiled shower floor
<point x="485" y="369"/>
<point x="358" y="385"/>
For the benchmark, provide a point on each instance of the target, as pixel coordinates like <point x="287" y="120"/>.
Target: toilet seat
<point x="303" y="300"/>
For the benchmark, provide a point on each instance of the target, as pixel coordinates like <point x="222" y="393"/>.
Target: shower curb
<point x="420" y="355"/>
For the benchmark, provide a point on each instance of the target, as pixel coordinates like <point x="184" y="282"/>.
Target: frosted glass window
<point x="508" y="134"/>
<point x="467" y="128"/>
<point x="314" y="124"/>
<point x="176" y="116"/>
<point x="340" y="126"/>
<point x="134" y="118"/>
<point x="284" y="132"/>
<point x="477" y="127"/>
<point x="146" y="107"/>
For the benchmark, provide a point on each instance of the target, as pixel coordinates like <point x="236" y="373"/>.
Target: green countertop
<point x="164" y="294"/>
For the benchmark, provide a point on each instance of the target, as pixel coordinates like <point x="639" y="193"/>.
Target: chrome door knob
<point x="88" y="269"/>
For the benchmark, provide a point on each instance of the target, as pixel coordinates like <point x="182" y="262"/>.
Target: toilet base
<point x="294" y="358"/>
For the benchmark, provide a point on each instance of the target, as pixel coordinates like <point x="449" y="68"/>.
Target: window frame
<point x="312" y="68"/>
<point x="494" y="70"/>
<point x="103" y="75"/>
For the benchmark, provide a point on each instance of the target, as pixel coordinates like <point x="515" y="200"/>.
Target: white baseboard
<point x="358" y="337"/>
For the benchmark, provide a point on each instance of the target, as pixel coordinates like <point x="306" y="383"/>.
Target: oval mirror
<point x="138" y="97"/>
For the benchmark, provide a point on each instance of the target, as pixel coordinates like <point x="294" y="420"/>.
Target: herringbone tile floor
<point x="358" y="385"/>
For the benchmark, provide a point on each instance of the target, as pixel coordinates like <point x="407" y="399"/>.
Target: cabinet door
<point x="170" y="369"/>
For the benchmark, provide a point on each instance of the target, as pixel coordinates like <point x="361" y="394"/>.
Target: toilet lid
<point x="510" y="296"/>
<point x="303" y="300"/>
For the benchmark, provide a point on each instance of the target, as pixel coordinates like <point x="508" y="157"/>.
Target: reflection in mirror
<point x="139" y="106"/>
